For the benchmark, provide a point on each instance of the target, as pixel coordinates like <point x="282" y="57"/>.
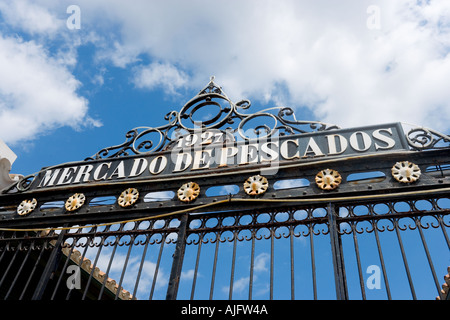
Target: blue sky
<point x="65" y="92"/>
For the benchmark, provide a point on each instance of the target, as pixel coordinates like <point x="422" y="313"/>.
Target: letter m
<point x="49" y="178"/>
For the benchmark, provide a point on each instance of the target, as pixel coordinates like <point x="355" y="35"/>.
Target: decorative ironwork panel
<point x="237" y="206"/>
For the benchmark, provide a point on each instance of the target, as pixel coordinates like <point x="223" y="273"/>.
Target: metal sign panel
<point x="228" y="140"/>
<point x="293" y="179"/>
<point x="215" y="150"/>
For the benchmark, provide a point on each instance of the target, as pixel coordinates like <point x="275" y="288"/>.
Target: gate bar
<point x="336" y="250"/>
<point x="405" y="262"/>
<point x="158" y="263"/>
<point x="49" y="267"/>
<point x="430" y="261"/>
<point x="18" y="273"/>
<point x="358" y="261"/>
<point x="178" y="256"/>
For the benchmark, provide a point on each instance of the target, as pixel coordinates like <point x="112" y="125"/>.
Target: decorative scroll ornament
<point x="26" y="207"/>
<point x="128" y="197"/>
<point x="221" y="113"/>
<point x="328" y="179"/>
<point x="188" y="192"/>
<point x="406" y="172"/>
<point x="256" y="185"/>
<point x="423" y="138"/>
<point x="75" y="202"/>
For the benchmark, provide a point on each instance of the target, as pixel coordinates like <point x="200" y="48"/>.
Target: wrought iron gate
<point x="337" y="226"/>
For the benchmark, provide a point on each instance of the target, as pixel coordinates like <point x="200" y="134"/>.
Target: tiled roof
<point x="445" y="287"/>
<point x="99" y="275"/>
<point x="87" y="266"/>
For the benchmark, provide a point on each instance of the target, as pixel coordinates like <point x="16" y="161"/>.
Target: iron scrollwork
<point x="211" y="99"/>
<point x="423" y="138"/>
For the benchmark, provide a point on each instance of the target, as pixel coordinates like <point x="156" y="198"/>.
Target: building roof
<point x="444" y="295"/>
<point x="87" y="266"/>
<point x="97" y="274"/>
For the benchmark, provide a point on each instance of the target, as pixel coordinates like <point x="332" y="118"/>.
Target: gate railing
<point x="381" y="248"/>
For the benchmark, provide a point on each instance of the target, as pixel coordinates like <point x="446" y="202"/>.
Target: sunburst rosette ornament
<point x="256" y="185"/>
<point x="26" y="207"/>
<point x="128" y="197"/>
<point x="328" y="179"/>
<point x="406" y="172"/>
<point x="188" y="192"/>
<point x="75" y="202"/>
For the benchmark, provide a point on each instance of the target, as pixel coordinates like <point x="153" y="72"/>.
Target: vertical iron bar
<point x="113" y="253"/>
<point x="213" y="276"/>
<point x="18" y="273"/>
<point x="291" y="246"/>
<point x="32" y="272"/>
<point x="358" y="261"/>
<point x="3" y="253"/>
<point x="49" y="267"/>
<point x="155" y="274"/>
<point x="337" y="254"/>
<point x="91" y="274"/>
<point x="194" y="280"/>
<point x="88" y="239"/>
<point x="430" y="262"/>
<point x="125" y="264"/>
<point x="383" y="267"/>
<point x="9" y="266"/>
<point x="272" y="232"/>
<point x="405" y="262"/>
<point x="313" y="261"/>
<point x="233" y="261"/>
<point x="62" y="271"/>
<point x="141" y="265"/>
<point x="252" y="264"/>
<point x="341" y="253"/>
<point x="177" y="264"/>
<point x="441" y="223"/>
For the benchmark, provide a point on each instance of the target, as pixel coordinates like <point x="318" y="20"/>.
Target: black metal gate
<point x="369" y="236"/>
<point x="293" y="253"/>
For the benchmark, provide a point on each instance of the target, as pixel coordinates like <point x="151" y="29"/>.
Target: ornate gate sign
<point x="209" y="150"/>
<point x="216" y="175"/>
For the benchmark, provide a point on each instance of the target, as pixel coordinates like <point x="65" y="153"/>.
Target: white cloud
<point x="323" y="53"/>
<point x="239" y="285"/>
<point x="261" y="260"/>
<point x="189" y="274"/>
<point x="30" y="17"/>
<point x="37" y="93"/>
<point x="317" y="54"/>
<point x="132" y="270"/>
<point x="158" y="75"/>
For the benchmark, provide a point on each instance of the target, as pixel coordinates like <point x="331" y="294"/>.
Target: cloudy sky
<point x="76" y="75"/>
